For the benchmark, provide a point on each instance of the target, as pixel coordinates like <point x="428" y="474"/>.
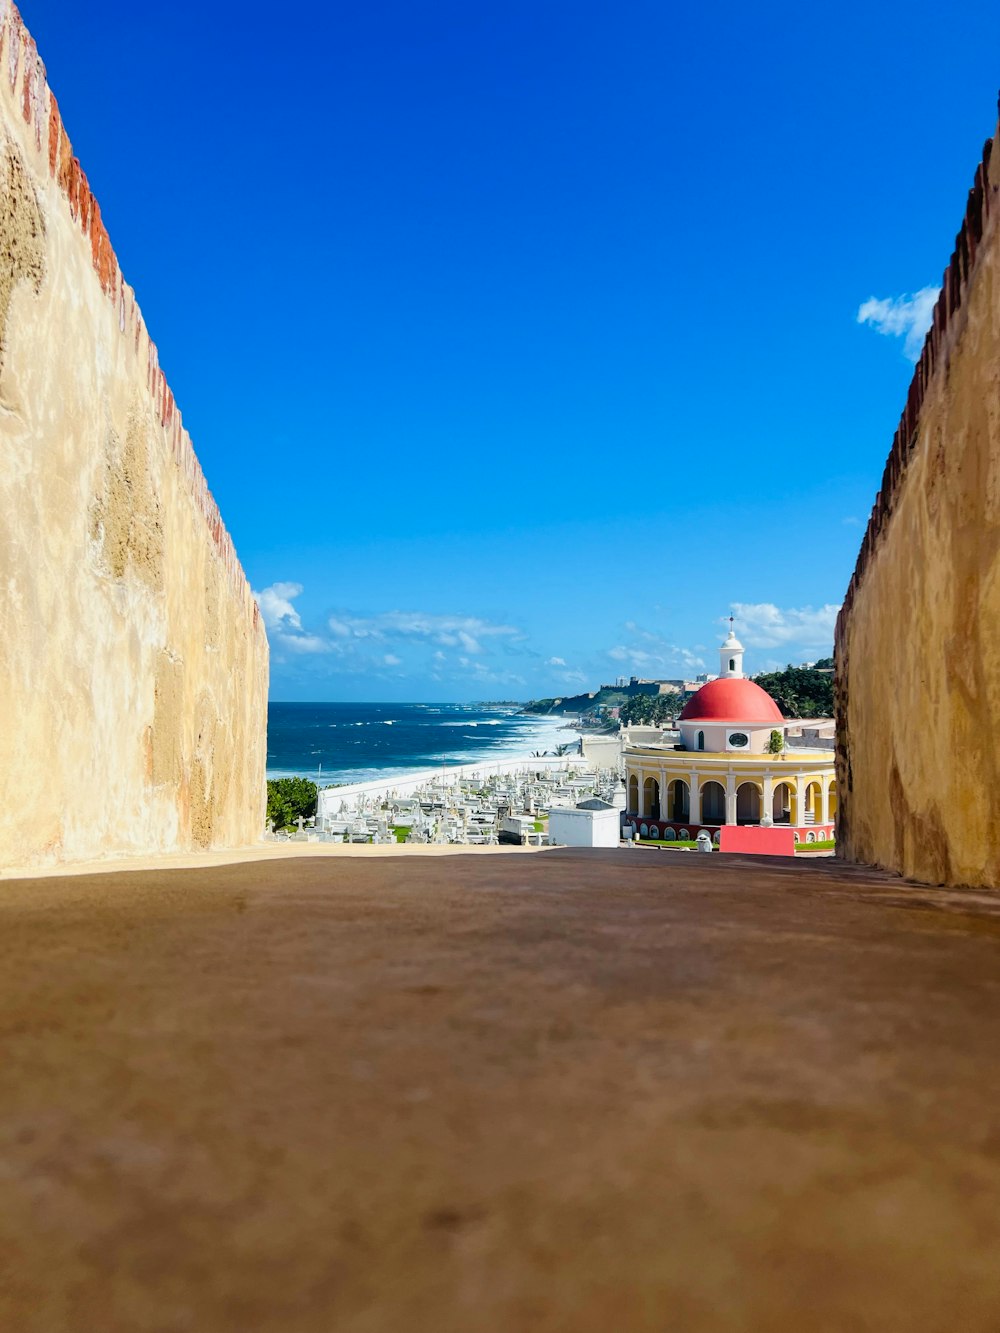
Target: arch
<point x="831" y="798"/>
<point x="669" y="835"/>
<point x="651" y="798"/>
<point x="678" y="799"/>
<point x="782" y="803"/>
<point x="713" y="803"/>
<point x="748" y="803"/>
<point x="732" y="664"/>
<point x="701" y="740"/>
<point x="684" y="836"/>
<point x="643" y="830"/>
<point x="811" y="803"/>
<point x="633" y="794"/>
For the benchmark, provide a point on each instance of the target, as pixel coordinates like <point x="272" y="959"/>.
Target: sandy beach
<point x="477" y="1091"/>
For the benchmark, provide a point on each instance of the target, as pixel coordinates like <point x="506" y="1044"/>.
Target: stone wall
<point x="918" y="639"/>
<point x="133" y="663"/>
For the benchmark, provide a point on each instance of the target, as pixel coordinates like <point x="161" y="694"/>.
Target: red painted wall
<point x="757" y="841"/>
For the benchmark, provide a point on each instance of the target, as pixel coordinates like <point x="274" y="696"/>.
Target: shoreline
<point x="553" y="733"/>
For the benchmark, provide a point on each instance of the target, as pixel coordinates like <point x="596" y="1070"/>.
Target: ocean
<point x="365" y="742"/>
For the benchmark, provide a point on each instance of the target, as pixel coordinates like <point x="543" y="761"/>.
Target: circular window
<point x="643" y="830"/>
<point x="737" y="739"/>
<point x="654" y="832"/>
<point x="669" y="835"/>
<point x="684" y="836"/>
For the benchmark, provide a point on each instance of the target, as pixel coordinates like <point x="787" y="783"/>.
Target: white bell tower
<point x="731" y="656"/>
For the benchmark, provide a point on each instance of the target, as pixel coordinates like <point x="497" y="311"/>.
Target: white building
<point x="592" y="823"/>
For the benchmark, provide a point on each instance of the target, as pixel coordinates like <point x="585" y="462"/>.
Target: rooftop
<point x="732" y="699"/>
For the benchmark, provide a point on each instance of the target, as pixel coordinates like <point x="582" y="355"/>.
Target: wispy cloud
<point x="359" y="644"/>
<point x="451" y="631"/>
<point x="764" y="625"/>
<point x="907" y="317"/>
<point x="556" y="661"/>
<point x="647" y="653"/>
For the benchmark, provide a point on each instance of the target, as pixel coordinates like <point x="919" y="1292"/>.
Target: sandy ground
<point x="574" y="1091"/>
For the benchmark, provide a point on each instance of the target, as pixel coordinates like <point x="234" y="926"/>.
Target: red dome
<point x="731" y="699"/>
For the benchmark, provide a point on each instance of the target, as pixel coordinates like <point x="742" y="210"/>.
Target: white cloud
<point x="451" y="631"/>
<point x="276" y="607"/>
<point x="764" y="625"/>
<point x="653" y="655"/>
<point x="556" y="661"/>
<point x="284" y="624"/>
<point x="307" y="643"/>
<point x="365" y="644"/>
<point x="907" y="316"/>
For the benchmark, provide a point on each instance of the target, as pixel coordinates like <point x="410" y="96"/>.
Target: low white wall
<point x="584" y="828"/>
<point x="603" y="751"/>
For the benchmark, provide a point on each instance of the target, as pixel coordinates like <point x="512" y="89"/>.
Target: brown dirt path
<point x="567" y="1091"/>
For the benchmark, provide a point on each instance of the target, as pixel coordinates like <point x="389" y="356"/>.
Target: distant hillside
<point x="798" y="691"/>
<point x="581" y="704"/>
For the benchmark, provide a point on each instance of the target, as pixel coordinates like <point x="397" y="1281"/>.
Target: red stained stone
<point x="29" y="52"/>
<point x="55" y="126"/>
<point x="16" y="28"/>
<point x="95" y="229"/>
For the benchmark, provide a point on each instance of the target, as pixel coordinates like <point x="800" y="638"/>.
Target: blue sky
<point x="519" y="342"/>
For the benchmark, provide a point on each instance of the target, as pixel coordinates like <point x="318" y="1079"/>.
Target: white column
<point x="730" y="798"/>
<point x="694" y="800"/>
<point x="767" y="801"/>
<point x="663" y="795"/>
<point x="824" y="796"/>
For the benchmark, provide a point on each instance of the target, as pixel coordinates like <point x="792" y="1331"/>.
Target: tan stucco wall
<point x="133" y="664"/>
<point x="918" y="643"/>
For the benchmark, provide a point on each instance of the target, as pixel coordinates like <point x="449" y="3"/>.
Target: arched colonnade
<point x="795" y="800"/>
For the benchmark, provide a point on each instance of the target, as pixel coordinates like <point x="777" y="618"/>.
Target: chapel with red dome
<point x="730" y="765"/>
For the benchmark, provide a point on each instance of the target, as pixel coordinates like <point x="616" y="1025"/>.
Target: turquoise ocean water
<point x="363" y="742"/>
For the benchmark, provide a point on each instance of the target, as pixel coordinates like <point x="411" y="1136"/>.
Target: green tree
<point x="799" y="691"/>
<point x="287" y="798"/>
<point x="775" y="743"/>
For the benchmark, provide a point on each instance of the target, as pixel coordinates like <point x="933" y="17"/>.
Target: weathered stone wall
<point x="133" y="663"/>
<point x="918" y="639"/>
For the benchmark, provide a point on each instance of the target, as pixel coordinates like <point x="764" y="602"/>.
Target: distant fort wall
<point x="133" y="662"/>
<point x="918" y="638"/>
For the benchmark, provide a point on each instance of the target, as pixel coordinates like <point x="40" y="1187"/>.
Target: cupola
<point x="731" y="656"/>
